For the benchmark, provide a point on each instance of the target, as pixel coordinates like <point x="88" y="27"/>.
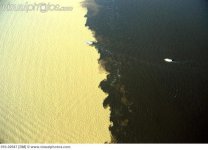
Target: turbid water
<point x="49" y="78"/>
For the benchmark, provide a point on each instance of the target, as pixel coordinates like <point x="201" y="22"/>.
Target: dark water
<point x="152" y="100"/>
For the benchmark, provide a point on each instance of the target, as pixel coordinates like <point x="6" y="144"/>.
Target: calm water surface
<point x="152" y="100"/>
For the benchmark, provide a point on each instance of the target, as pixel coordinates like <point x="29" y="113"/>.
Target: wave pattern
<point x="49" y="79"/>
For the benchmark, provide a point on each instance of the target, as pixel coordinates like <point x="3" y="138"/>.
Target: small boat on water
<point x="89" y="42"/>
<point x="168" y="60"/>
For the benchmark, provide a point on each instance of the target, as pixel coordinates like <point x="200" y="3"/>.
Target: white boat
<point x="89" y="42"/>
<point x="168" y="60"/>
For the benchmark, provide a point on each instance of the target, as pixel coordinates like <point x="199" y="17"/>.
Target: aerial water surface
<point x="49" y="78"/>
<point x="156" y="53"/>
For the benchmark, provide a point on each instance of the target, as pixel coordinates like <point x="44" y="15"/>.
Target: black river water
<point x="150" y="99"/>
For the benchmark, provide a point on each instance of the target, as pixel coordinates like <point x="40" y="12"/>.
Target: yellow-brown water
<point x="49" y="79"/>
